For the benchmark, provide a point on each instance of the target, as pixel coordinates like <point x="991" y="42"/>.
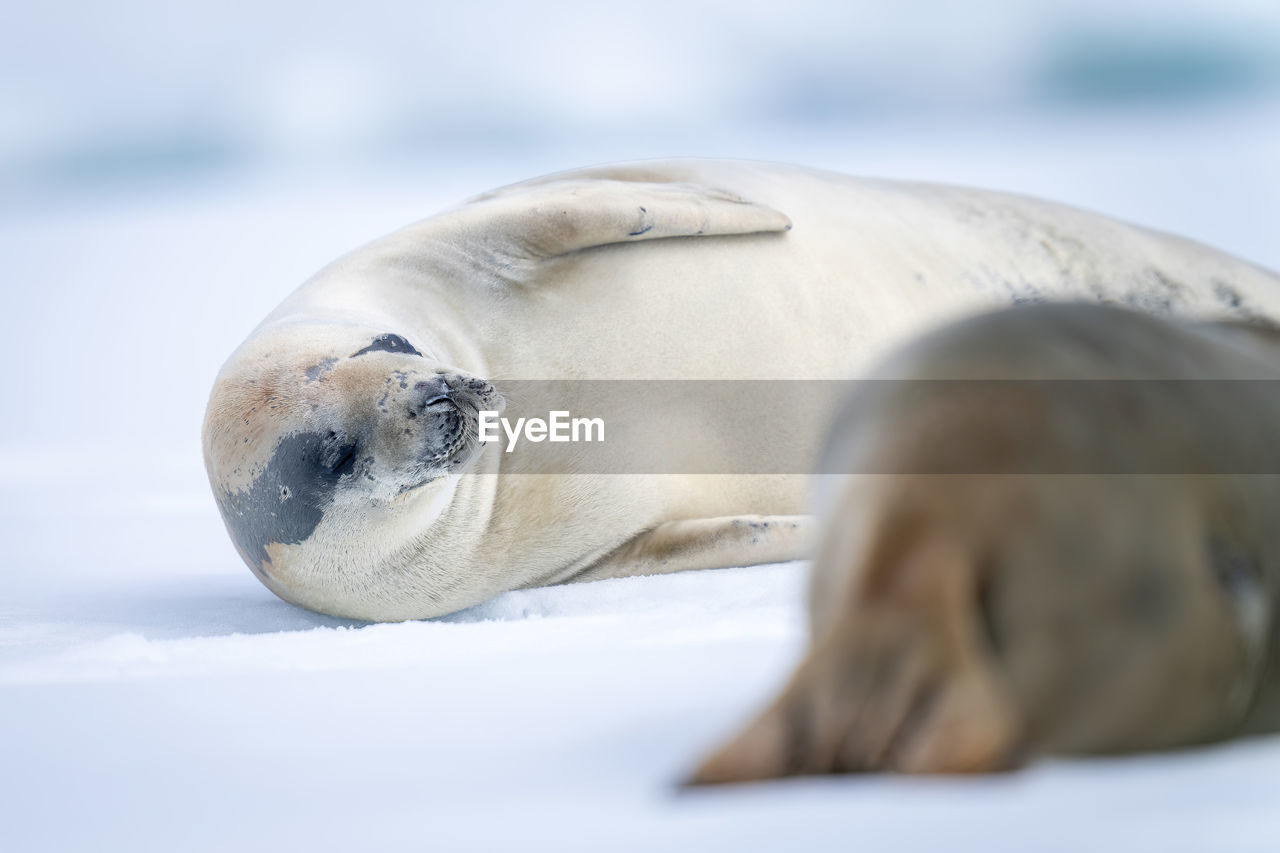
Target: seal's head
<point x="321" y="440"/>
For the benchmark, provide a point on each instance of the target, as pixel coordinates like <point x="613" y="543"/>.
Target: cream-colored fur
<point x="663" y="270"/>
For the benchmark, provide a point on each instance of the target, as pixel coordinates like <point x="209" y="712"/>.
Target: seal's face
<point x="311" y="425"/>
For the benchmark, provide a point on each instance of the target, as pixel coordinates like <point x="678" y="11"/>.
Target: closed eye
<point x="338" y="456"/>
<point x="345" y="464"/>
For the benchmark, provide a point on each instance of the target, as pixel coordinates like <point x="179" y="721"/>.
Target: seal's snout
<point x="449" y="385"/>
<point x="455" y="392"/>
<point x="443" y="410"/>
<point x="433" y="393"/>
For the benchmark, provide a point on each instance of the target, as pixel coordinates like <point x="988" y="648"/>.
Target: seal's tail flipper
<point x="537" y="221"/>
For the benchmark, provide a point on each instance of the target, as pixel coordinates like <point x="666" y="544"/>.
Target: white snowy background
<point x="169" y="171"/>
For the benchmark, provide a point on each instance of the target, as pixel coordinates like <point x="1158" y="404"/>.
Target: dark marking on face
<point x="287" y="501"/>
<point x="388" y="343"/>
<point x="317" y="371"/>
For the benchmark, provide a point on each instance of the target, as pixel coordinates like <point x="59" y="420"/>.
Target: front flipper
<point x="540" y="221"/>
<point x="708" y="543"/>
<point x="903" y="681"/>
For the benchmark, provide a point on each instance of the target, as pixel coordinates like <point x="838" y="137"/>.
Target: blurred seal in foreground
<point x="341" y="440"/>
<point x="968" y="613"/>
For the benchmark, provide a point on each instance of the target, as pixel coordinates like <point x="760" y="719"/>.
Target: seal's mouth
<point x="453" y="413"/>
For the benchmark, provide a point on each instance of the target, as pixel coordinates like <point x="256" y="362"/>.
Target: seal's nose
<point x="433" y="391"/>
<point x="446" y="383"/>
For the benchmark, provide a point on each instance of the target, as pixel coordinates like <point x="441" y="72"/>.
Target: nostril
<point x="444" y="383"/>
<point x="431" y="387"/>
<point x="431" y="392"/>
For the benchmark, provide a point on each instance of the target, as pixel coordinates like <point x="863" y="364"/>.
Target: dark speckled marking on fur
<point x="388" y="343"/>
<point x="316" y="371"/>
<point x="1031" y="296"/>
<point x="1226" y="294"/>
<point x="1231" y="299"/>
<point x="1022" y="293"/>
<point x="645" y="228"/>
<point x="1158" y="294"/>
<point x="289" y="498"/>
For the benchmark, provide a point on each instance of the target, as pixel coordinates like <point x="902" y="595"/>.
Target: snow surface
<point x="153" y="696"/>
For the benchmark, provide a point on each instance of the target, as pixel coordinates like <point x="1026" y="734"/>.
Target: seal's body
<point x="1041" y="565"/>
<point x="340" y="437"/>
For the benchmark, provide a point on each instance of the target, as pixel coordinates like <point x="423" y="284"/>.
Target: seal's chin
<point x="433" y="471"/>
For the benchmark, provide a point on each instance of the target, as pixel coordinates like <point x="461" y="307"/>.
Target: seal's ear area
<point x="545" y="220"/>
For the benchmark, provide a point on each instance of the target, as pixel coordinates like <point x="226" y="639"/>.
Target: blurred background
<point x="143" y="95"/>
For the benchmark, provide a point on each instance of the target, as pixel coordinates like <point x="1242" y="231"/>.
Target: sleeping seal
<point x="341" y="439"/>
